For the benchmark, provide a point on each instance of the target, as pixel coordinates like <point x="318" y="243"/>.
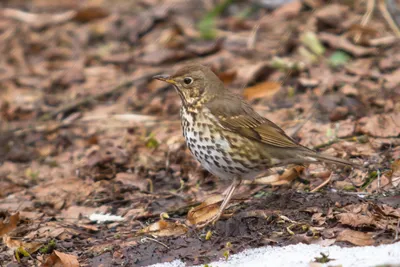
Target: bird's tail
<point x="315" y="157"/>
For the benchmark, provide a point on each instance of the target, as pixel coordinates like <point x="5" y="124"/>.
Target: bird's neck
<point x="198" y="103"/>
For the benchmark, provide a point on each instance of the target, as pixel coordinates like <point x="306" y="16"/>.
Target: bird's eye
<point x="188" y="80"/>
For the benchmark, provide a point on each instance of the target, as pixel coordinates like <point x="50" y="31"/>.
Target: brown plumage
<point x="227" y="136"/>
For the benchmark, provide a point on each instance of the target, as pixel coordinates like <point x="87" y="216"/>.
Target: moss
<point x="47" y="249"/>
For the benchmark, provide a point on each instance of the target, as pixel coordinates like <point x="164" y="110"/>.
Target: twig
<point x="253" y="37"/>
<point x="38" y="20"/>
<point x="388" y="17"/>
<point x="366" y="18"/>
<point x="323" y="184"/>
<point x="154" y="240"/>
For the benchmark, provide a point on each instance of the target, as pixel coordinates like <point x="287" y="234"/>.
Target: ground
<point x="84" y="129"/>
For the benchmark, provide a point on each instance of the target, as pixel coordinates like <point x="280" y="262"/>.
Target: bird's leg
<point x="228" y="195"/>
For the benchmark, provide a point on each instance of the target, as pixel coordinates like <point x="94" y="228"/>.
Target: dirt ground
<point x="85" y="130"/>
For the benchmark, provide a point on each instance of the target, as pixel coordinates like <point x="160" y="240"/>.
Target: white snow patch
<point x="102" y="218"/>
<point x="301" y="255"/>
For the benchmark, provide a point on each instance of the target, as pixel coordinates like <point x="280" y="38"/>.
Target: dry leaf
<point x="205" y="211"/>
<point x="261" y="90"/>
<point x="289" y="10"/>
<point x="356" y="238"/>
<point x="87" y="14"/>
<point x="165" y="228"/>
<point x="318" y="218"/>
<point x="355" y="220"/>
<point x="382" y="125"/>
<point x="288" y="176"/>
<point x="14" y="244"/>
<point x="59" y="259"/>
<point x="5" y="228"/>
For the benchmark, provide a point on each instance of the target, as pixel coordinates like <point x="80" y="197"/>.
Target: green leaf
<point x="207" y="28"/>
<point x="311" y="41"/>
<point x="207" y="25"/>
<point x="339" y="58"/>
<point x="151" y="142"/>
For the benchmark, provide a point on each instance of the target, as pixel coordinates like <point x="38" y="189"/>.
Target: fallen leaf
<point x="356" y="238"/>
<point x="338" y="58"/>
<point x="89" y="13"/>
<point x="318" y="218"/>
<point x="276" y="179"/>
<point x="382" y="125"/>
<point x="5" y="228"/>
<point x="349" y="90"/>
<point x="289" y="10"/>
<point x="59" y="259"/>
<point x="164" y="228"/>
<point x="332" y="15"/>
<point x="250" y="73"/>
<point x="262" y="90"/>
<point x="355" y="220"/>
<point x="20" y="246"/>
<point x="311" y="41"/>
<point x="205" y="211"/>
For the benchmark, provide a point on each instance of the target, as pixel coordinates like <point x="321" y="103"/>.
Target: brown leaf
<point x="332" y="15"/>
<point x="59" y="259"/>
<point x="87" y="14"/>
<point x="262" y="90"/>
<point x="227" y="76"/>
<point x="249" y="73"/>
<point x="276" y="179"/>
<point x="289" y="10"/>
<point x="30" y="247"/>
<point x="355" y="220"/>
<point x="382" y="125"/>
<point x="318" y="218"/>
<point x="356" y="238"/>
<point x="165" y="228"/>
<point x="160" y="56"/>
<point x="5" y="228"/>
<point x="204" y="211"/>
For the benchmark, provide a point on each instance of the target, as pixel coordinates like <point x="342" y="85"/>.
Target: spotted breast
<point x="219" y="151"/>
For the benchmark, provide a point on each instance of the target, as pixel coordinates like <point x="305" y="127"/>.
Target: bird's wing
<point x="237" y="116"/>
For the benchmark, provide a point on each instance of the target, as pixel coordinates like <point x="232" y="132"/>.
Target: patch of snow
<point x="301" y="255"/>
<point x="102" y="218"/>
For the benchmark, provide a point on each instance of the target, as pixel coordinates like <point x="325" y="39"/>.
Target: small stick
<point x="322" y="184"/>
<point x="154" y="240"/>
<point x="388" y="17"/>
<point x="366" y="18"/>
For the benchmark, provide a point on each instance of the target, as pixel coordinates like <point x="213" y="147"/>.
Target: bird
<point x="227" y="136"/>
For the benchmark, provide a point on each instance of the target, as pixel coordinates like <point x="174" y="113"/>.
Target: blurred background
<point x="84" y="128"/>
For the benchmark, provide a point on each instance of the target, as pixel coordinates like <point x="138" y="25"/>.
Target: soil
<point x="85" y="130"/>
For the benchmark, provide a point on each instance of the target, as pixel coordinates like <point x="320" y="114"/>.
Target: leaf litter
<point x="85" y="131"/>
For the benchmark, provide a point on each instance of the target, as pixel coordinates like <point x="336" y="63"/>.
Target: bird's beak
<point x="165" y="78"/>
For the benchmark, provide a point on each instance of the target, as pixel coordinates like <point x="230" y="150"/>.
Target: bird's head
<point x="195" y="84"/>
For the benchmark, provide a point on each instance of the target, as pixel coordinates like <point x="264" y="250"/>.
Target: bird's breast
<point x="219" y="151"/>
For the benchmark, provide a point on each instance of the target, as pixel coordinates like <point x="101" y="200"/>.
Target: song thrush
<point x="227" y="136"/>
